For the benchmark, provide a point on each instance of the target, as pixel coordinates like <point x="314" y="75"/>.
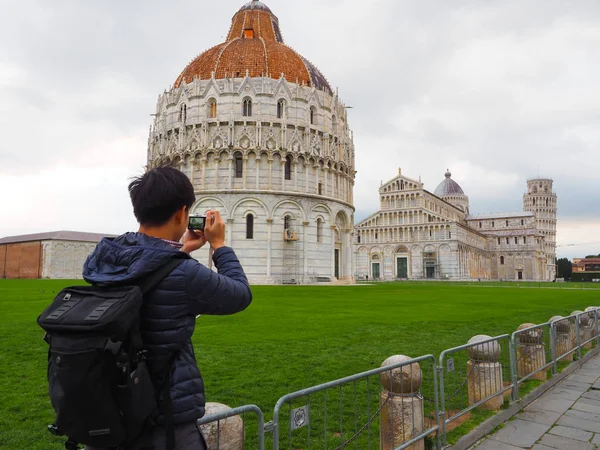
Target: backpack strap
<point x="151" y="281"/>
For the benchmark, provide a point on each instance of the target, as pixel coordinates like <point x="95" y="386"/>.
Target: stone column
<point x="531" y="353"/>
<point x="484" y="373"/>
<point x="244" y="171"/>
<point x="258" y="160"/>
<point x="226" y="434"/>
<point x="283" y="163"/>
<point x="192" y="164"/>
<point x="270" y="173"/>
<point x="204" y="161"/>
<point x="295" y="176"/>
<point x="230" y="232"/>
<point x="269" y="245"/>
<point x="402" y="417"/>
<point x="230" y="181"/>
<point x="217" y="160"/>
<point x="564" y="341"/>
<point x="306" y="177"/>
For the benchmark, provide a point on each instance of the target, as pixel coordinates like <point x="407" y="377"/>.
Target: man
<point x="161" y="200"/>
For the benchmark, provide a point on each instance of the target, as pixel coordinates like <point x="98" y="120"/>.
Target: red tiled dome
<point x="254" y="45"/>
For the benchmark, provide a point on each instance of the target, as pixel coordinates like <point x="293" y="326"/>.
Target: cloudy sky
<point x="497" y="91"/>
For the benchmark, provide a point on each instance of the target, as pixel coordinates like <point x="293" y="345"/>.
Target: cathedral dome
<point x="448" y="187"/>
<point x="254" y="47"/>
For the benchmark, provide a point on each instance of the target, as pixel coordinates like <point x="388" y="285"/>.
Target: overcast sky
<point x="496" y="91"/>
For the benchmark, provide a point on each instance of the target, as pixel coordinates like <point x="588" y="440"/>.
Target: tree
<point x="592" y="256"/>
<point x="565" y="268"/>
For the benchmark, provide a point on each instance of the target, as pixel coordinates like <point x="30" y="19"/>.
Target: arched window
<point x="280" y="109"/>
<point x="287" y="222"/>
<point x="546" y="202"/>
<point x="183" y="113"/>
<point x="212" y="109"/>
<point x="320" y="231"/>
<point x="359" y="238"/>
<point x="239" y="165"/>
<point x="502" y="260"/>
<point x="250" y="226"/>
<point x="320" y="188"/>
<point x="313" y="115"/>
<point x="288" y="167"/>
<point x="247" y="111"/>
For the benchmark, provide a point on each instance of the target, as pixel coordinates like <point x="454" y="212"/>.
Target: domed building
<point x="450" y="191"/>
<point x="420" y="235"/>
<point x="265" y="140"/>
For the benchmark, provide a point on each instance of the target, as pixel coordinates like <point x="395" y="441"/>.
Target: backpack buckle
<point x="112" y="346"/>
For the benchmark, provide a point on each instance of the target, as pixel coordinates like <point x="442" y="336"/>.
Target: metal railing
<point x="474" y="375"/>
<point x="356" y="411"/>
<point x="411" y="400"/>
<point x="236" y="437"/>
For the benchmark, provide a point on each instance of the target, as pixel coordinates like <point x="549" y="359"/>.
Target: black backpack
<point x="99" y="383"/>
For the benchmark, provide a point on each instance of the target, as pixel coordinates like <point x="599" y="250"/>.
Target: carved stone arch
<point x="197" y="207"/>
<point x="224" y="155"/>
<point x="250" y="199"/>
<point x="295" y="203"/>
<point x="323" y="205"/>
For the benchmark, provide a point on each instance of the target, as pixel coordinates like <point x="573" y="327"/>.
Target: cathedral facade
<point x="417" y="234"/>
<point x="265" y="140"/>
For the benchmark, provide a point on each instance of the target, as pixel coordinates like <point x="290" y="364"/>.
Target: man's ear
<point x="180" y="215"/>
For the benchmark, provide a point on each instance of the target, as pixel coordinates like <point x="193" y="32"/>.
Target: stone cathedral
<point x="265" y="140"/>
<point x="417" y="234"/>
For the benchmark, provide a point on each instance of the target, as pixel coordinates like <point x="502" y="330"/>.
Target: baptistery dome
<point x="255" y="47"/>
<point x="265" y="140"/>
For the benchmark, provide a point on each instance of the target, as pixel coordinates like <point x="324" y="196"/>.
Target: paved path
<point x="567" y="417"/>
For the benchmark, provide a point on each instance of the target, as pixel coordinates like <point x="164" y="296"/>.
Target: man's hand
<point x="193" y="240"/>
<point x="214" y="230"/>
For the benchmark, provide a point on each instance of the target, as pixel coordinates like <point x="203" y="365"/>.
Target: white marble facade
<point x="274" y="150"/>
<point x="420" y="235"/>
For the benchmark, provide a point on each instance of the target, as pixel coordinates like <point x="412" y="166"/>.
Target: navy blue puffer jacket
<point x="169" y="312"/>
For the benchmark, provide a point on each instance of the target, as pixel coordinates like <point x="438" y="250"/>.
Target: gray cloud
<point x="495" y="91"/>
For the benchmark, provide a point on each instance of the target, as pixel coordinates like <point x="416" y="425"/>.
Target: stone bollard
<point x="564" y="341"/>
<point x="402" y="415"/>
<point x="531" y="353"/>
<point x="227" y="434"/>
<point x="592" y="316"/>
<point x="484" y="371"/>
<point x="584" y="328"/>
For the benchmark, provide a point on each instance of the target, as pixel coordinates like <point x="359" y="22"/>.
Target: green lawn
<point x="288" y="339"/>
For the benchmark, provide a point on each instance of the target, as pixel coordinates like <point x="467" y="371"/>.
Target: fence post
<point x="580" y="327"/>
<point x="513" y="369"/>
<point x="402" y="413"/>
<point x="485" y="373"/>
<point x="442" y="412"/>
<point x="553" y="352"/>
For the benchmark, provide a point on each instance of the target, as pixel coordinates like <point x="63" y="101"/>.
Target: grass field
<point x="289" y="338"/>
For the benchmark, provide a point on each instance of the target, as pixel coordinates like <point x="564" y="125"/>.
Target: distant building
<point x="57" y="255"/>
<point x="422" y="235"/>
<point x="586" y="264"/>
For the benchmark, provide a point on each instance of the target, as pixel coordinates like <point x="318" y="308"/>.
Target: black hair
<point x="159" y="193"/>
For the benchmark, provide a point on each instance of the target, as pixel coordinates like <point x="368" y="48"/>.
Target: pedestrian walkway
<point x="567" y="417"/>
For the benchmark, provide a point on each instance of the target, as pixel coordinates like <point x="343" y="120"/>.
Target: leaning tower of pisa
<point x="541" y="200"/>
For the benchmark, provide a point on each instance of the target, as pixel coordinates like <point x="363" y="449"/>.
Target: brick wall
<point x="23" y="260"/>
<point x="2" y="258"/>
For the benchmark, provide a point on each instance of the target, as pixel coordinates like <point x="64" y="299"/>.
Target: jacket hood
<point x="127" y="258"/>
